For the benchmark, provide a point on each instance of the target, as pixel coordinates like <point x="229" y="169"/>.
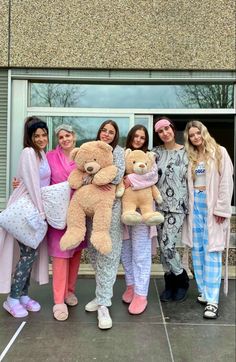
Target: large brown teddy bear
<point x="140" y="163"/>
<point x="94" y="168"/>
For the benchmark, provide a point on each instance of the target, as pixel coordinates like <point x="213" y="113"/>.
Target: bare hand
<point x="107" y="187"/>
<point x="15" y="183"/>
<point x="127" y="182"/>
<point x="219" y="219"/>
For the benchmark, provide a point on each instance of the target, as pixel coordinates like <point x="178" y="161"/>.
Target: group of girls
<point x="195" y="181"/>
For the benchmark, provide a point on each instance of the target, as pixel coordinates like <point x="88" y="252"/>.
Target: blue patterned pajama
<point x="207" y="265"/>
<point x="136" y="257"/>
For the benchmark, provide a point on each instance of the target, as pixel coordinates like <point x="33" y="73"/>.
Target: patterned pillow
<point x="23" y="220"/>
<point x="56" y="199"/>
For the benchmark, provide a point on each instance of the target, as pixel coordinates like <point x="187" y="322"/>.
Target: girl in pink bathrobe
<point x="65" y="264"/>
<point x="207" y="227"/>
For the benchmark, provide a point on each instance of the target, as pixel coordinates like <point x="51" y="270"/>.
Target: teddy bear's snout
<point x="92" y="167"/>
<point x="140" y="168"/>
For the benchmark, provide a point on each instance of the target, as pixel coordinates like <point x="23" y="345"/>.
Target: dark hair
<point x="172" y="125"/>
<point x="131" y="134"/>
<point x="32" y="123"/>
<point x="114" y="143"/>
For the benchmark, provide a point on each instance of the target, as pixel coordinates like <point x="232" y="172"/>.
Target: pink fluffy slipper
<point x="128" y="294"/>
<point x="138" y="304"/>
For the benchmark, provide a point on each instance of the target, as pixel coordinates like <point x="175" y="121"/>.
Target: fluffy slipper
<point x="128" y="294"/>
<point x="138" y="304"/>
<point x="71" y="300"/>
<point x="60" y="312"/>
<point x="31" y="305"/>
<point x="16" y="310"/>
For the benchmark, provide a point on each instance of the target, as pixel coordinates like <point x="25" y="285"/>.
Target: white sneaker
<point x="92" y="306"/>
<point x="104" y="319"/>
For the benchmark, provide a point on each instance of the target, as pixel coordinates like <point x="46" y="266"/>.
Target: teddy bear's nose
<point x="142" y="165"/>
<point x="90" y="169"/>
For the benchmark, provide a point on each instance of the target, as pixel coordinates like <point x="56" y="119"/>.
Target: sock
<point x="12" y="301"/>
<point x="24" y="299"/>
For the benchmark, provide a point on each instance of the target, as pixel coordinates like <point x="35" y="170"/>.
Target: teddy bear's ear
<point x="104" y="145"/>
<point x="127" y="151"/>
<point x="152" y="156"/>
<point x="74" y="153"/>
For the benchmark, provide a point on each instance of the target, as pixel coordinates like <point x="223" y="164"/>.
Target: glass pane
<point x="131" y="96"/>
<point x="86" y="127"/>
<point x="142" y="120"/>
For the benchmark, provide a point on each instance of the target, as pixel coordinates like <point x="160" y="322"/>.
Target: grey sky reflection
<point x="135" y="96"/>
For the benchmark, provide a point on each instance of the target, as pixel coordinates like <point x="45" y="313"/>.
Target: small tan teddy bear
<point x="140" y="163"/>
<point x="94" y="168"/>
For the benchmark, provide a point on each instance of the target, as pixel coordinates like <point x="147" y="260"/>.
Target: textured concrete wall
<point x="128" y="34"/>
<point x="4" y="23"/>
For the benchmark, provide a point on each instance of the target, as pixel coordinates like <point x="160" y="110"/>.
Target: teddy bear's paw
<point x="72" y="238"/>
<point x="131" y="218"/>
<point x="120" y="192"/>
<point x="101" y="241"/>
<point x="159" y="199"/>
<point x="153" y="218"/>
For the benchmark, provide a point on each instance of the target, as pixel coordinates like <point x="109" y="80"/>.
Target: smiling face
<point x="195" y="137"/>
<point x="107" y="133"/>
<point x="40" y="138"/>
<point x="138" y="139"/>
<point x="166" y="134"/>
<point x="66" y="140"/>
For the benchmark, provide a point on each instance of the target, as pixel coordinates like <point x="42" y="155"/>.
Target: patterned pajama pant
<point x="207" y="265"/>
<point x="21" y="277"/>
<point x="167" y="234"/>
<point x="136" y="257"/>
<point x="106" y="266"/>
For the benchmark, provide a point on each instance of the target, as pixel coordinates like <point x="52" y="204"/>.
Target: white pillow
<point x="56" y="199"/>
<point x="23" y="221"/>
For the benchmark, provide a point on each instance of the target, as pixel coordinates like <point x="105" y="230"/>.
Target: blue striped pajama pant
<point x="136" y="258"/>
<point x="207" y="265"/>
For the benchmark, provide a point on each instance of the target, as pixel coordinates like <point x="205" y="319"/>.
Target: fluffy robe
<point x="140" y="163"/>
<point x="94" y="168"/>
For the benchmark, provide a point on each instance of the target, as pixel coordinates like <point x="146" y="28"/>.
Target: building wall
<point x="118" y="34"/>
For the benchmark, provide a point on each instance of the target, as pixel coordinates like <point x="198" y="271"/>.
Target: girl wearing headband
<point x="33" y="173"/>
<point x="172" y="165"/>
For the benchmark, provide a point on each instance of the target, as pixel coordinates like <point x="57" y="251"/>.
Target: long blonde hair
<point x="211" y="149"/>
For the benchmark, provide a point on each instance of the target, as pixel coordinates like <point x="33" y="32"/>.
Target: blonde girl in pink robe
<point x="207" y="226"/>
<point x="65" y="264"/>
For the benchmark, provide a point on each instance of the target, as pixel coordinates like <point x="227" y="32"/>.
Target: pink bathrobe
<point x="219" y="189"/>
<point x="28" y="172"/>
<point x="61" y="168"/>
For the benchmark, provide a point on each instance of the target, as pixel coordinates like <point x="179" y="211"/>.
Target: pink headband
<point x="161" y="123"/>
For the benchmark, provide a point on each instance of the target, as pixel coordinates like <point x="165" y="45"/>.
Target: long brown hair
<point x="131" y="134"/>
<point x="32" y="123"/>
<point x="114" y="143"/>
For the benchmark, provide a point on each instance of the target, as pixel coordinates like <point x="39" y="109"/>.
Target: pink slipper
<point x="128" y="294"/>
<point x="31" y="305"/>
<point x="71" y="300"/>
<point x="16" y="310"/>
<point x="138" y="304"/>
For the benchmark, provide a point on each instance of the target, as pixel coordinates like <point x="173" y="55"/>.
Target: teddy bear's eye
<point x="95" y="159"/>
<point x="134" y="161"/>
